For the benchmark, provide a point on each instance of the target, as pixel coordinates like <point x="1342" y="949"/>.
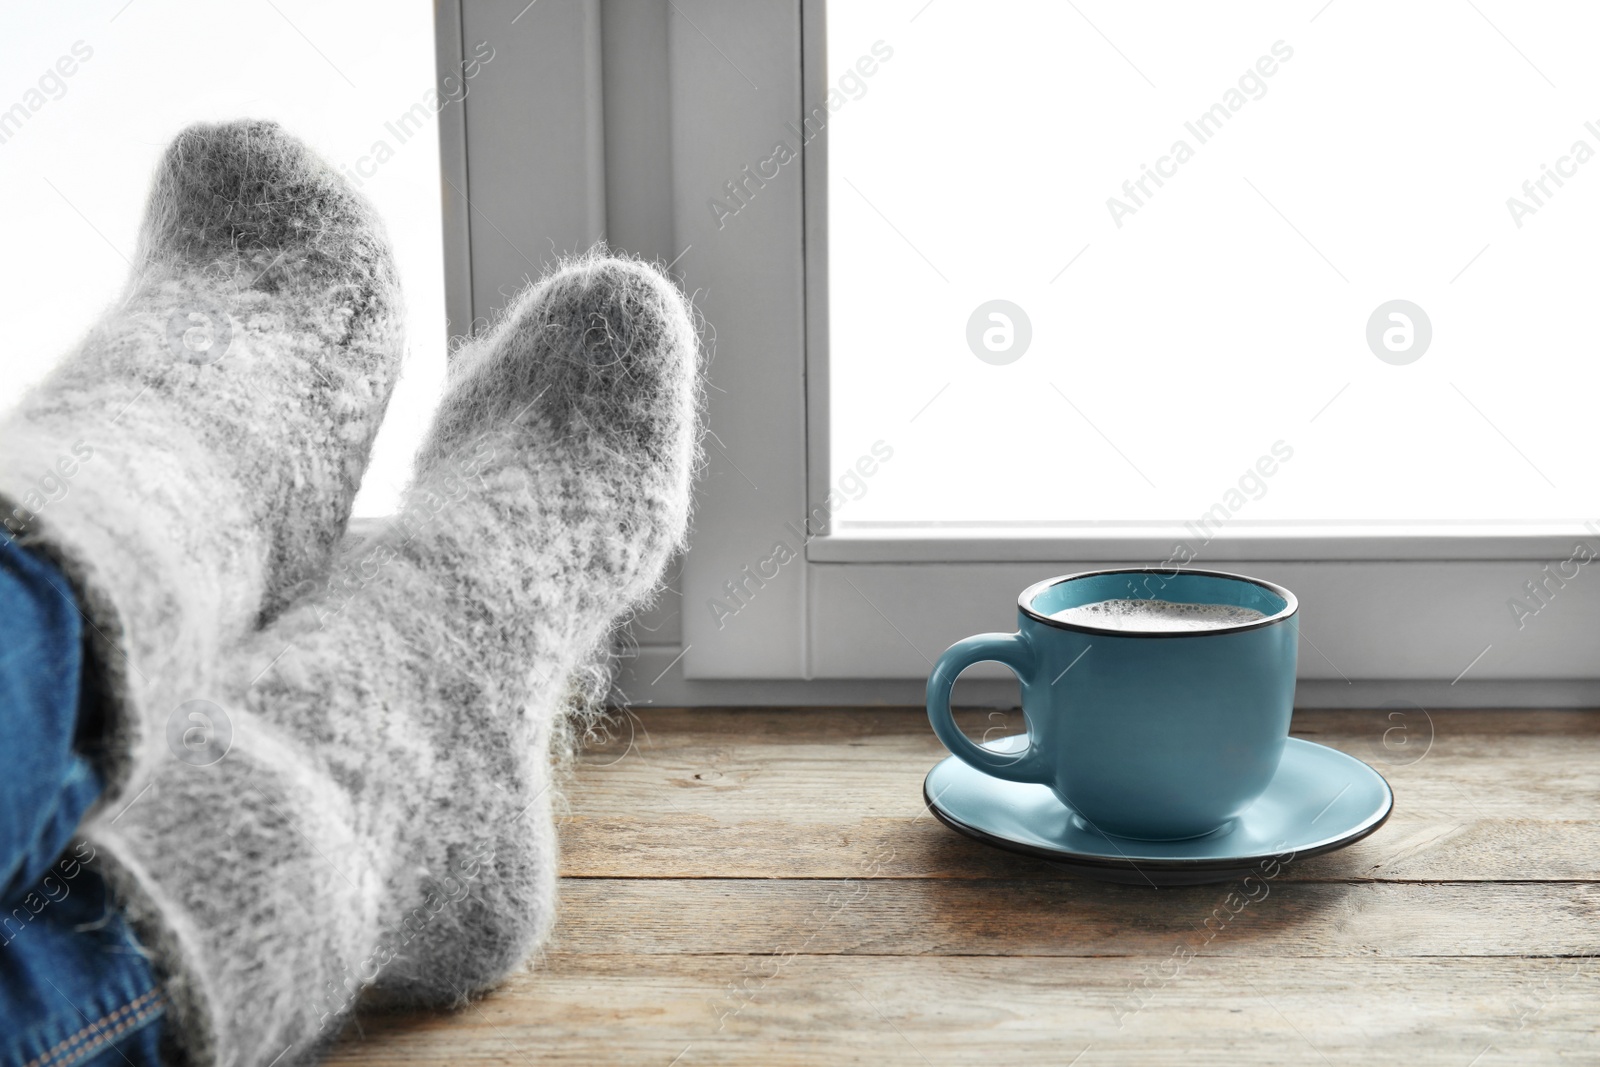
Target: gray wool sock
<point x="381" y="825"/>
<point x="196" y="455"/>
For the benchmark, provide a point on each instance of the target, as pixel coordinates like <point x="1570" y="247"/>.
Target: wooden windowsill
<point x="766" y="887"/>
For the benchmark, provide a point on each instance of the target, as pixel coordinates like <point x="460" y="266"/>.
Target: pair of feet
<point x="363" y="800"/>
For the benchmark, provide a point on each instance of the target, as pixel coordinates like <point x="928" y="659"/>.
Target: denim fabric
<point x="75" y="988"/>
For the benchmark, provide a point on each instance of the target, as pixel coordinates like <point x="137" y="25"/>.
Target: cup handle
<point x="1012" y="650"/>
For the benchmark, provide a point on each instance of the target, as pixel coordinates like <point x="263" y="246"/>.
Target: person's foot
<point x="383" y="820"/>
<point x="194" y="458"/>
<point x="249" y="232"/>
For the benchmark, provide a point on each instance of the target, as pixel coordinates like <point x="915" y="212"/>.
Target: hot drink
<point x="1157" y="616"/>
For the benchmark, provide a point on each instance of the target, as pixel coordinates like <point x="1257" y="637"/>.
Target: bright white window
<point x="876" y="489"/>
<point x="77" y="151"/>
<point x="1192" y="215"/>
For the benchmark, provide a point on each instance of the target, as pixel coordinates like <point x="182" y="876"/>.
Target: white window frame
<point x="857" y="618"/>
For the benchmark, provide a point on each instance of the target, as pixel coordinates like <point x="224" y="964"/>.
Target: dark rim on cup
<point x="1290" y="604"/>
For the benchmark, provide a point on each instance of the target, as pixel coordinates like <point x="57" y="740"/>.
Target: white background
<point x="332" y="73"/>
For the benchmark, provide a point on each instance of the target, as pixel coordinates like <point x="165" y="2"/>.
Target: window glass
<point x="1321" y="262"/>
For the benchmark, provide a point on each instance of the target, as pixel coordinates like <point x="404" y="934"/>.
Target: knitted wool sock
<point x="196" y="455"/>
<point x="382" y="822"/>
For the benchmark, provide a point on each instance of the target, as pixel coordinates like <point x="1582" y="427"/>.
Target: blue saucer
<point x="1319" y="800"/>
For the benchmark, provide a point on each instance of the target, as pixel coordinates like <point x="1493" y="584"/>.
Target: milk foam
<point x="1157" y="616"/>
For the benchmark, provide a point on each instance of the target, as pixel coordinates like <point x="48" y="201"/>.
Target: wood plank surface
<point x="822" y="1010"/>
<point x="1068" y="917"/>
<point x="766" y="887"/>
<point x="1502" y="796"/>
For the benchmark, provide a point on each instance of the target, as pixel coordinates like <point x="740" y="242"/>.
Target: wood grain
<point x="826" y="1010"/>
<point x="1069" y="917"/>
<point x="1481" y="798"/>
<point x="766" y="887"/>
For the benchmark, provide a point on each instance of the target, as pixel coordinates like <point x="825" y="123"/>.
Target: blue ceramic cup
<point x="1148" y="734"/>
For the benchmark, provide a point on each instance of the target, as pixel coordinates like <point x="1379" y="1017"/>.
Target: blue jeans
<point x="75" y="987"/>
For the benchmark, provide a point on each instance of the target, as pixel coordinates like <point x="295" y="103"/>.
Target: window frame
<point x="857" y="617"/>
